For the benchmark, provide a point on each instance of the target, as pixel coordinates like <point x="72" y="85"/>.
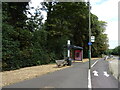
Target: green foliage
<point x="108" y="52"/>
<point x="35" y="21"/>
<point x="28" y="42"/>
<point x="116" y="51"/>
<point x="13" y="13"/>
<point x="10" y="49"/>
<point x="70" y="19"/>
<point x="22" y="47"/>
<point x="39" y="47"/>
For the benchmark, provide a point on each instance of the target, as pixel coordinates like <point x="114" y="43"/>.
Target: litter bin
<point x="69" y="61"/>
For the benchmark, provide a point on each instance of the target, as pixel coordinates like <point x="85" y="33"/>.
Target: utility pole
<point x="89" y="51"/>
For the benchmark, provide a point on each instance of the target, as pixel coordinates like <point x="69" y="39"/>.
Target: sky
<point x="106" y="10"/>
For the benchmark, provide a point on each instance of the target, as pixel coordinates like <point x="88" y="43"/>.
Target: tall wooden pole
<point x="89" y="36"/>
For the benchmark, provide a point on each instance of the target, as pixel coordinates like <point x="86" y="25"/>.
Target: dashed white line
<point x="94" y="63"/>
<point x="89" y="80"/>
<point x="89" y="77"/>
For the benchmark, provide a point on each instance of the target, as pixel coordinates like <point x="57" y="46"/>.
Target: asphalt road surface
<point x="74" y="77"/>
<point x="101" y="77"/>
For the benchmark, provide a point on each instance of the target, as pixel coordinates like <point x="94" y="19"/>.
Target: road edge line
<point x="94" y="64"/>
<point x="89" y="80"/>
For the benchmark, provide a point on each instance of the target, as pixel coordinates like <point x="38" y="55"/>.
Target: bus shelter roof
<point x="75" y="47"/>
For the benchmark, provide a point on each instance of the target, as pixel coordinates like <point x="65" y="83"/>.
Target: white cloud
<point x="108" y="11"/>
<point x="112" y="30"/>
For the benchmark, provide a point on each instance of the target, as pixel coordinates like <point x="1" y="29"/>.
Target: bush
<point x="22" y="48"/>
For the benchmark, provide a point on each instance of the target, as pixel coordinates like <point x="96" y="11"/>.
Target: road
<point x="74" y="77"/>
<point x="104" y="78"/>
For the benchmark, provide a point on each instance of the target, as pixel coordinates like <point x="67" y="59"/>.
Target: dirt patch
<point x="14" y="76"/>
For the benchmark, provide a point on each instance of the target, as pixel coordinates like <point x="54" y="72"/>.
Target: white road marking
<point x="95" y="73"/>
<point x="106" y="74"/>
<point x="89" y="77"/>
<point x="89" y="80"/>
<point x="94" y="63"/>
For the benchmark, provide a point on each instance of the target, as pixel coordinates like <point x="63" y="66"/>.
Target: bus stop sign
<point x="89" y="43"/>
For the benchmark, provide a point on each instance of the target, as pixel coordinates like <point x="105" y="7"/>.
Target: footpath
<point x="113" y="67"/>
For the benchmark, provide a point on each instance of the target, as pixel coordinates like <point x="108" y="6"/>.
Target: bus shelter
<point x="76" y="53"/>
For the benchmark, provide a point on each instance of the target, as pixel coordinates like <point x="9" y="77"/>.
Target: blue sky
<point x="100" y="2"/>
<point x="106" y="10"/>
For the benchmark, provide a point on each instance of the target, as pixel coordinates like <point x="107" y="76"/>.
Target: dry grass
<point x="14" y="76"/>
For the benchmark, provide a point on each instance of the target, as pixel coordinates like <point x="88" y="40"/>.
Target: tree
<point x="28" y="41"/>
<point x="23" y="45"/>
<point x="116" y="51"/>
<point x="71" y="20"/>
<point x="34" y="22"/>
<point x="14" y="13"/>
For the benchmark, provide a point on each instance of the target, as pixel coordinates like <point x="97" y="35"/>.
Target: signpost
<point x="68" y="43"/>
<point x="92" y="38"/>
<point x="68" y="59"/>
<point x="89" y="43"/>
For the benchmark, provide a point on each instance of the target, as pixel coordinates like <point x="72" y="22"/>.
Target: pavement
<point x="113" y="68"/>
<point x="74" y="77"/>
